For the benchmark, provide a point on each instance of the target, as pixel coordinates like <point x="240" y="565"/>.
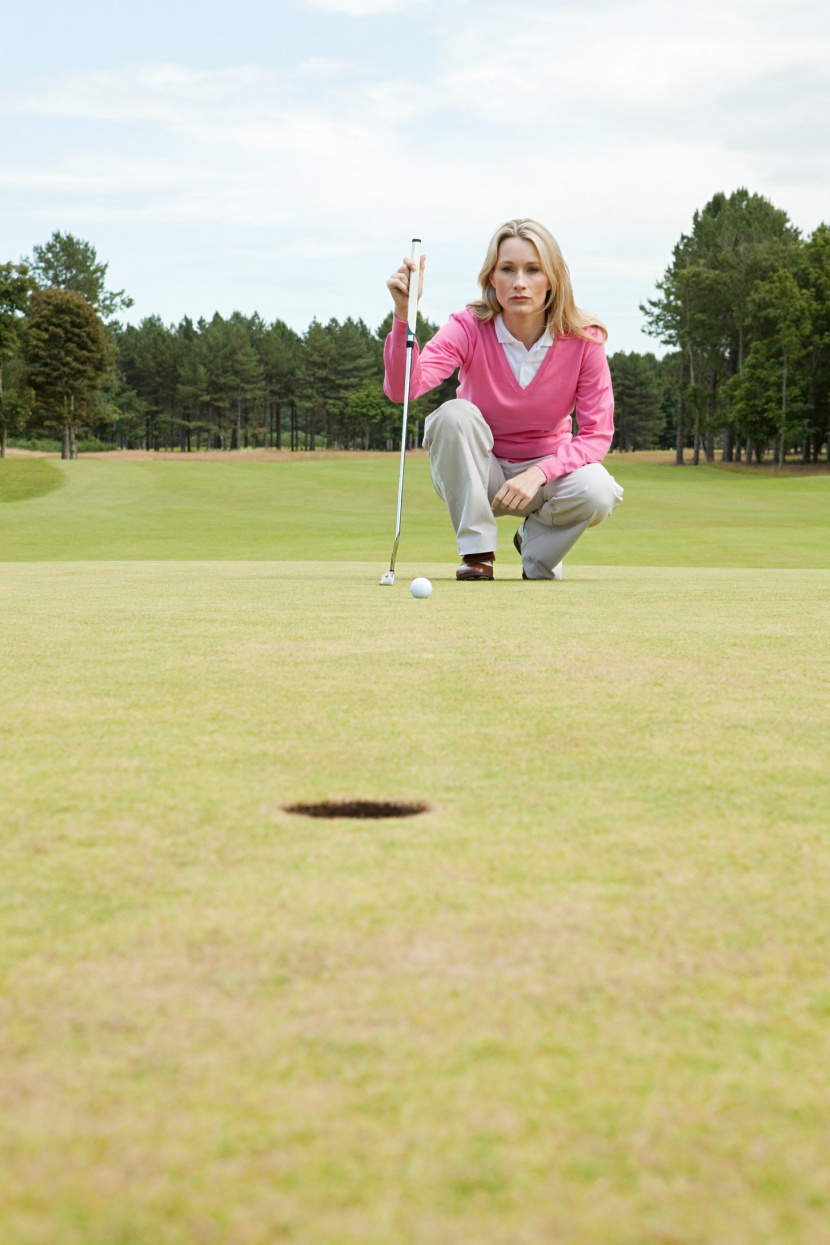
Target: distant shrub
<point x="91" y="445"/>
<point x="44" y="444"/>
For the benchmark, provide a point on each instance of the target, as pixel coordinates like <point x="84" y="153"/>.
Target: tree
<point x="245" y="372"/>
<point x="148" y="359"/>
<point x="665" y="372"/>
<point x="638" y="417"/>
<point x="316" y="385"/>
<point x="66" y="352"/>
<point x="686" y="317"/>
<point x="703" y="310"/>
<point x="191" y="384"/>
<point x="770" y="390"/>
<point x="367" y="410"/>
<point x="234" y="376"/>
<point x="278" y="348"/>
<point x="120" y="414"/>
<point x="814" y="277"/>
<point x="15" y="289"/>
<point x="68" y="263"/>
<point x="354" y="365"/>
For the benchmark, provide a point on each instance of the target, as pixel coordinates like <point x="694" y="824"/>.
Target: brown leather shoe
<point x="476" y="566"/>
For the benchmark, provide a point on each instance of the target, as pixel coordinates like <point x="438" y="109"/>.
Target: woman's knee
<point x="455" y="415"/>
<point x="602" y="493"/>
<point x="587" y="495"/>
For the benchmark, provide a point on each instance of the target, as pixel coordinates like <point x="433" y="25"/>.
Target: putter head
<point x="388" y="577"/>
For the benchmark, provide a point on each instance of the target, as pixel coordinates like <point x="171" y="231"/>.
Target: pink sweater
<point x="526" y="423"/>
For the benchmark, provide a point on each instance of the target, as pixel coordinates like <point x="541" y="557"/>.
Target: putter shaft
<point x="412" y="316"/>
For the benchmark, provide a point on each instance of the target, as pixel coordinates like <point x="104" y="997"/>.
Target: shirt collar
<point x="506" y="337"/>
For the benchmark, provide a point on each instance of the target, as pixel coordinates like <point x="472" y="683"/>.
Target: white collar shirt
<point x="524" y="363"/>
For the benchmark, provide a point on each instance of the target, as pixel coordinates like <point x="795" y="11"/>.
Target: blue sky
<point x="278" y="156"/>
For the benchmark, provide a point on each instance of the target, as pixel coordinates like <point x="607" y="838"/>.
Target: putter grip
<point x="412" y="310"/>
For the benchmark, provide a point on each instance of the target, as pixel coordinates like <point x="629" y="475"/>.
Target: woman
<point x="528" y="359"/>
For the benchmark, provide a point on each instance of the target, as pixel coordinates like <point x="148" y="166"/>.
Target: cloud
<point x="785" y="110"/>
<point x="612" y="124"/>
<point x="162" y="93"/>
<point x="638" y="69"/>
<point x="553" y="76"/>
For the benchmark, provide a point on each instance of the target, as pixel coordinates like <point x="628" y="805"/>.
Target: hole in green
<point x="358" y="808"/>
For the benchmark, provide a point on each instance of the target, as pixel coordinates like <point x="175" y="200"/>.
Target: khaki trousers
<point x="467" y="475"/>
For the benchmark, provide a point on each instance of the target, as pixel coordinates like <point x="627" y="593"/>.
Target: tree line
<point x="69" y="367"/>
<point x="744" y="310"/>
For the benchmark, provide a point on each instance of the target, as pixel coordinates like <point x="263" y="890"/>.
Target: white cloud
<point x="633" y="66"/>
<point x="612" y="124"/>
<point x="165" y="94"/>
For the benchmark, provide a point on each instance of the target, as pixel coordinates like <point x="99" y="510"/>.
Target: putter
<point x="388" y="577"/>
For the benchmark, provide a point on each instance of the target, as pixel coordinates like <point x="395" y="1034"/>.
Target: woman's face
<point x="518" y="278"/>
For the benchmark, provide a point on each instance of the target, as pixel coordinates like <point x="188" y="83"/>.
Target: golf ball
<point x="420" y="587"/>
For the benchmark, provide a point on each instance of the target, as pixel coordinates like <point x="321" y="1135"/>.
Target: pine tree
<point x="278" y="348"/>
<point x="68" y="263"/>
<point x="638" y="418"/>
<point x="148" y="358"/>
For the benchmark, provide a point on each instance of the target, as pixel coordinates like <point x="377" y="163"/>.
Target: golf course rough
<point x="582" y="998"/>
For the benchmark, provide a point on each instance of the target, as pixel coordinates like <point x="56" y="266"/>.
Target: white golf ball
<point x="421" y="587"/>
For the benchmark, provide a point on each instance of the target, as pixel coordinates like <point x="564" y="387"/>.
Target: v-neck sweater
<point x="530" y="423"/>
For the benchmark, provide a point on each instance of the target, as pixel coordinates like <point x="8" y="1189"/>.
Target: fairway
<point x="342" y="506"/>
<point x="582" y="1000"/>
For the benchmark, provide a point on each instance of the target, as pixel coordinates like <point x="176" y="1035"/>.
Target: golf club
<point x="388" y="577"/>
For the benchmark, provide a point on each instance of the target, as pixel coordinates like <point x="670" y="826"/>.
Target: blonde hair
<point x="562" y="316"/>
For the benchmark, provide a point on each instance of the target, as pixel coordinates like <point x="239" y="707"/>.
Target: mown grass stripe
<point x="22" y="479"/>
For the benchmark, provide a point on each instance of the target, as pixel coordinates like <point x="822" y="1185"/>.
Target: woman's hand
<point x="398" y="286"/>
<point x="519" y="492"/>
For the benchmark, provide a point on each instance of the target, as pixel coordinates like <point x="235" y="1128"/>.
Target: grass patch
<point x="21" y="479"/>
<point x="343" y="507"/>
<point x="582" y="999"/>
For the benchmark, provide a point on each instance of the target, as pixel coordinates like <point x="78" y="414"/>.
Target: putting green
<point x="584" y="999"/>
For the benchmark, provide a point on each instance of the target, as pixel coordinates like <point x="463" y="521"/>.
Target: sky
<point x="278" y="155"/>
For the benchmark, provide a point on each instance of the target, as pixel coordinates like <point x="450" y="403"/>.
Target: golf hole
<point x="358" y="808"/>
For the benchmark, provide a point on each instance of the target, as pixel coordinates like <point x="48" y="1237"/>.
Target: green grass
<point x="24" y="478"/>
<point x="582" y="1001"/>
<point x="343" y="506"/>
